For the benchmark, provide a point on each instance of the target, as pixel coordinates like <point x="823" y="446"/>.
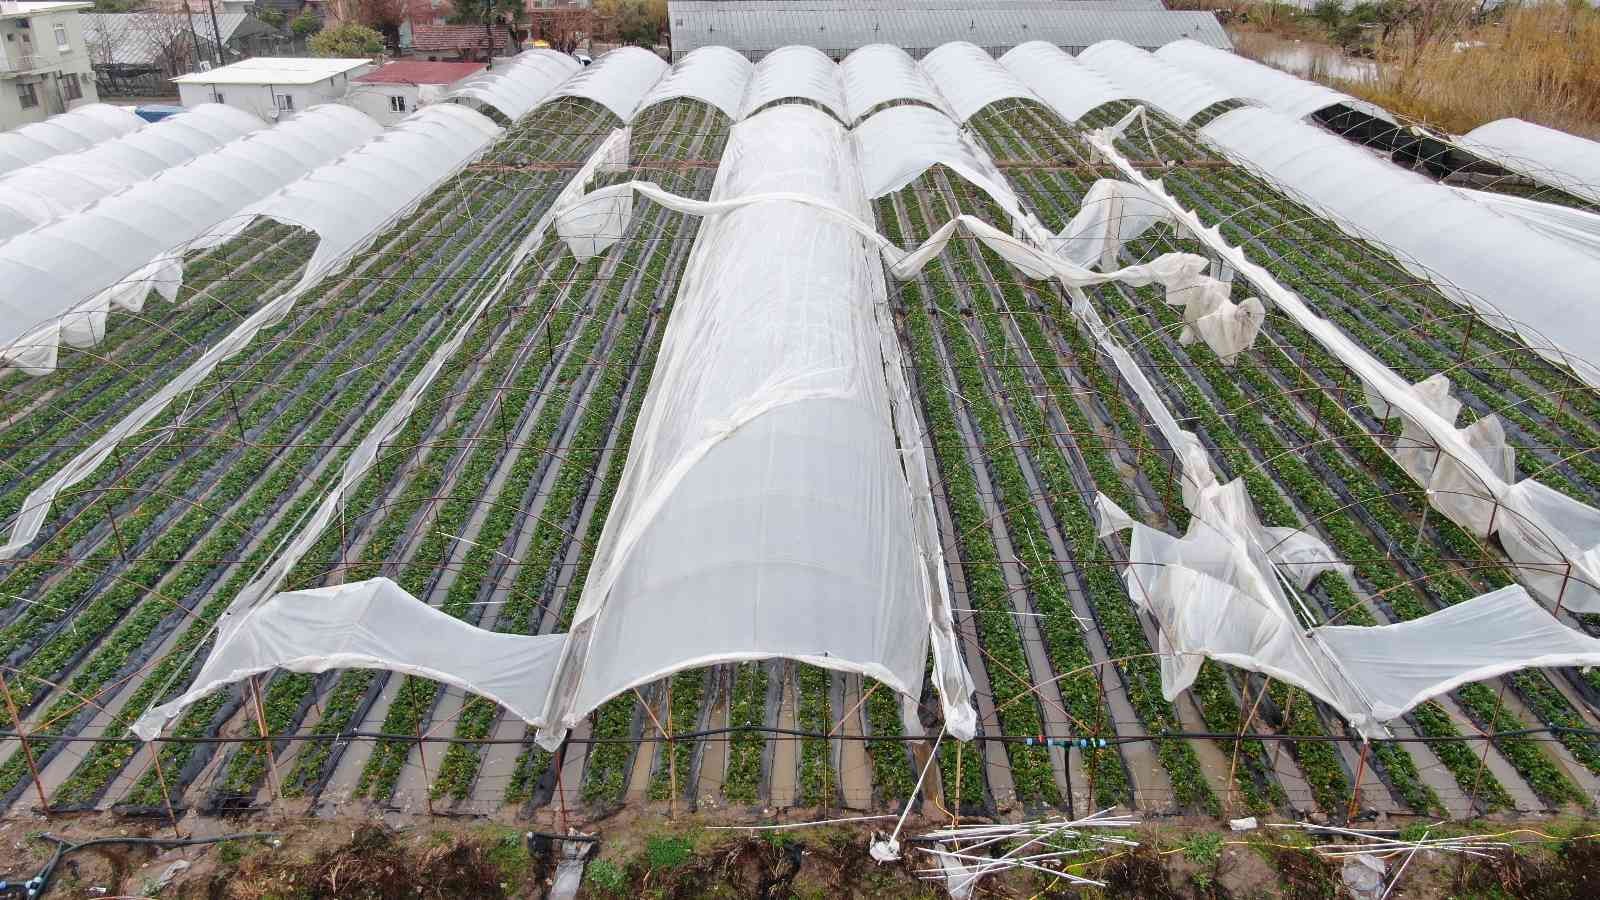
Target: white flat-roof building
<point x="271" y="86"/>
<point x="44" y="67"/>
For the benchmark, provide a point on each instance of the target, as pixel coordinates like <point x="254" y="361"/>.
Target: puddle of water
<point x="1317" y="62"/>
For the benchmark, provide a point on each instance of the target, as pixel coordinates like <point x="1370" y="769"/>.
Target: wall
<point x="373" y="99"/>
<point x="46" y="68"/>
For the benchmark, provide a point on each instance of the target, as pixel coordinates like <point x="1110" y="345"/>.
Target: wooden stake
<point x="672" y="757"/>
<point x="27" y="750"/>
<point x="166" y="796"/>
<point x="1483" y="760"/>
<point x="261" y="727"/>
<point x="1355" y="794"/>
<point x="427" y="780"/>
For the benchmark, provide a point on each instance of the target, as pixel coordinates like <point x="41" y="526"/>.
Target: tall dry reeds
<point x="1540" y="62"/>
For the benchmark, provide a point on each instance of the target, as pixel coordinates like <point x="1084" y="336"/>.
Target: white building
<point x="44" y="67"/>
<point x="398" y="89"/>
<point x="272" y="86"/>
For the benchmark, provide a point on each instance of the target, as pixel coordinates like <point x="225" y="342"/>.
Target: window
<point x="62" y="44"/>
<point x="397" y="103"/>
<point x="73" y="88"/>
<point x="27" y="95"/>
<point x="285" y="103"/>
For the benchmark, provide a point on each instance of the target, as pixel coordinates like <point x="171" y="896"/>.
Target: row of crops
<point x="489" y="502"/>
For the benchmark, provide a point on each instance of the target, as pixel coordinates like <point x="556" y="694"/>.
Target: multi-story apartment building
<point x="44" y="67"/>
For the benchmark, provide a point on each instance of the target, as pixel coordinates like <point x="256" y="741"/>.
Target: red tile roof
<point x="413" y="71"/>
<point x="455" y="37"/>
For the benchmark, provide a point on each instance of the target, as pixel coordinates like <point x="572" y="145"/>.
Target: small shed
<point x="270" y="86"/>
<point x="396" y="90"/>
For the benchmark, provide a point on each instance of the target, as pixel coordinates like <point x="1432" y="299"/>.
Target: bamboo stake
<point x="1355" y="793"/>
<point x="166" y="796"/>
<point x="27" y="750"/>
<point x="261" y="726"/>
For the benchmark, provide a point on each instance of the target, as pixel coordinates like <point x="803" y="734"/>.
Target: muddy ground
<point x="649" y="857"/>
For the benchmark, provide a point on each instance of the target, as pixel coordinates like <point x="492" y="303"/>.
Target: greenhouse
<point x="1026" y="434"/>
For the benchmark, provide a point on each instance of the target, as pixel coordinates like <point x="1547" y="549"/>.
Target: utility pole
<point x="216" y="32"/>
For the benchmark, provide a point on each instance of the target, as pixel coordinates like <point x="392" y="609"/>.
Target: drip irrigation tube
<point x="38" y="884"/>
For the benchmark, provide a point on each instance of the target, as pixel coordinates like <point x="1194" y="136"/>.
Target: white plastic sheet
<point x="517" y="85"/>
<point x="714" y="75"/>
<point x="1261" y="84"/>
<point x="899" y="144"/>
<point x="619" y="80"/>
<point x="796" y="71"/>
<point x="59" y="281"/>
<point x="1214" y="595"/>
<point x="766" y="511"/>
<point x="879" y="73"/>
<point x="1578" y="227"/>
<point x="1176" y="92"/>
<point x="1553" y="540"/>
<point x="74" y="130"/>
<point x="1544" y="154"/>
<point x="347" y="203"/>
<point x="54" y="187"/>
<point x="970" y="79"/>
<point x="1065" y="85"/>
<point x="1521" y="280"/>
<point x="370" y="624"/>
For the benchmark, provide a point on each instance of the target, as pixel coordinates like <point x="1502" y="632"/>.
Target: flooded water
<point x="1317" y="62"/>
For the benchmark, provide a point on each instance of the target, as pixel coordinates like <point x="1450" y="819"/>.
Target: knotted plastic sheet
<point x="1261" y="84"/>
<point x="59" y="185"/>
<point x="74" y="130"/>
<point x="619" y="80"/>
<point x="1064" y="84"/>
<point x="1176" y="92"/>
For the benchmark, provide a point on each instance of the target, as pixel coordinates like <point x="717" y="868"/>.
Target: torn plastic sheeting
<point x="378" y="648"/>
<point x="1214" y="597"/>
<point x="1064" y="84"/>
<point x="770" y="511"/>
<point x="970" y="79"/>
<point x="1177" y="92"/>
<point x="56" y="279"/>
<point x="796" y="71"/>
<point x="71" y="131"/>
<point x="899" y="144"/>
<point x="461" y="131"/>
<point x="517" y="85"/>
<point x="1260" y="83"/>
<point x="59" y="185"/>
<point x="617" y="80"/>
<point x="714" y="75"/>
<point x="1575" y="226"/>
<point x="1467" y="472"/>
<point x="373" y="624"/>
<point x="879" y="73"/>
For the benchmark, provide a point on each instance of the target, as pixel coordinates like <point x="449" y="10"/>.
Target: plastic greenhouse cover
<point x="970" y="79"/>
<point x="1469" y="473"/>
<point x="796" y="71"/>
<point x="1576" y="226"/>
<point x="878" y="73"/>
<point x="61" y="279"/>
<point x="1261" y="84"/>
<point x="1544" y="154"/>
<point x="347" y="202"/>
<point x="56" y="186"/>
<point x="618" y="80"/>
<point x="900" y="143"/>
<point x="518" y="84"/>
<point x="74" y="130"/>
<point x="714" y="75"/>
<point x="1177" y="92"/>
<point x="1215" y="596"/>
<point x="1520" y="279"/>
<point x="1065" y="85"/>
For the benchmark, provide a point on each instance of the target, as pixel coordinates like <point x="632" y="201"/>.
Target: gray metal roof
<point x="757" y="27"/>
<point x="138" y="38"/>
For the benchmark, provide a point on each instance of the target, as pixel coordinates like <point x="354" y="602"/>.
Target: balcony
<point x="22" y="64"/>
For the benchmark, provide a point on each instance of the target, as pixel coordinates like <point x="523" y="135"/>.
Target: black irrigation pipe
<point x="38" y="884"/>
<point x="792" y="733"/>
